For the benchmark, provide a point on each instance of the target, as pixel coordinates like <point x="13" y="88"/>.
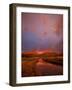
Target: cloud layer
<point x="42" y="31"/>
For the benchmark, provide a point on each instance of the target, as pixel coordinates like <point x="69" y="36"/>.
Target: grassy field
<point x="29" y="62"/>
<point x="55" y="60"/>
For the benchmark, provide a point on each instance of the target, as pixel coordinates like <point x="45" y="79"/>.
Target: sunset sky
<point x="42" y="32"/>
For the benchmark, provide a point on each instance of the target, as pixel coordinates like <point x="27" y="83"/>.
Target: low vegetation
<point x="29" y="62"/>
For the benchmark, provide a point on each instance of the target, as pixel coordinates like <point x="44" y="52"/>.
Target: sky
<point x="41" y="32"/>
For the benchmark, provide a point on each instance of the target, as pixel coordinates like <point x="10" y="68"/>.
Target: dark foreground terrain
<point x="42" y="64"/>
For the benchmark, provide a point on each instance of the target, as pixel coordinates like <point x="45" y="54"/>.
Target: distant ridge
<point x="40" y="52"/>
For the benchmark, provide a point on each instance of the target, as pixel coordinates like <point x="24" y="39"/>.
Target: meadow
<point x="42" y="64"/>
